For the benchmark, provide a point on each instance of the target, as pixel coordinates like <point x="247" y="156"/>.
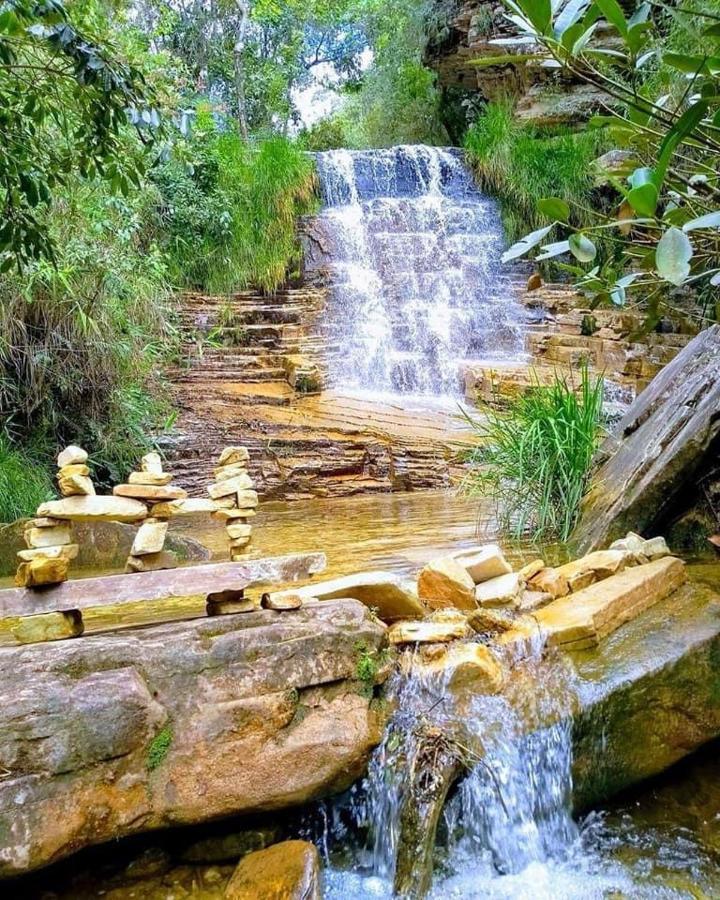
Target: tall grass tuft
<point x="24" y="483"/>
<point x="533" y="460"/>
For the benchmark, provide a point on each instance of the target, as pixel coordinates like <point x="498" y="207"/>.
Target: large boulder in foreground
<point x="651" y="470"/>
<point x="113" y="734"/>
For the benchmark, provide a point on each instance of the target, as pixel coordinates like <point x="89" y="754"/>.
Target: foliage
<point x="159" y="748"/>
<point x="24" y="483"/>
<point x="229" y="214"/>
<point x="518" y="164"/>
<point x="533" y="461"/>
<point x="79" y="339"/>
<point x="667" y="218"/>
<point x="65" y="97"/>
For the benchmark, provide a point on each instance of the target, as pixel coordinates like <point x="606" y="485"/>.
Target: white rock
<point x="483" y="563"/>
<point x="72" y="456"/>
<point x="499" y="591"/>
<point x="152" y="463"/>
<point x="656" y="548"/>
<point x="150" y="537"/>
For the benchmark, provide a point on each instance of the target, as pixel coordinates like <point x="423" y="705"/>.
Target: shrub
<point x="24" y="483"/>
<point x="533" y="461"/>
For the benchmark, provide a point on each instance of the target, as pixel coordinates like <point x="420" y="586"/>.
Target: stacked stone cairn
<point x="235" y="498"/>
<point x="151" y="486"/>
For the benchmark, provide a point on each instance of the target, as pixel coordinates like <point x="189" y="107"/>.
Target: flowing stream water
<point x="412" y="252"/>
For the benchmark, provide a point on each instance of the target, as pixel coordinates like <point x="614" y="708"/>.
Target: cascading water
<point x="411" y="250"/>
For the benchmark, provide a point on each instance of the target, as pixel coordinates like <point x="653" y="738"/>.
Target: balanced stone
<point x="47" y="537"/>
<point x="71" y="456"/>
<point x="238" y="530"/>
<point x="65" y="551"/>
<point x="76" y="485"/>
<point x="54" y="626"/>
<point x="283" y="600"/>
<point x="74" y="469"/>
<point x="187" y="507"/>
<point x="45" y="522"/>
<point x="231" y="486"/>
<point x="222" y="473"/>
<point x="483" y="563"/>
<point x="230" y="515"/>
<point x="581" y="573"/>
<point x="41" y="571"/>
<point x="84" y="509"/>
<point x="149" y="478"/>
<point x="151" y="462"/>
<point x="232" y="455"/>
<point x="152" y="562"/>
<point x="499" y="591"/>
<point x="238" y="543"/>
<point x="444" y="582"/>
<point x="149" y="492"/>
<point x="150" y="537"/>
<point x="656" y="548"/>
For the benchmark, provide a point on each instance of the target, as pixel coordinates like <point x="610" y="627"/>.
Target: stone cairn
<point x="234" y="495"/>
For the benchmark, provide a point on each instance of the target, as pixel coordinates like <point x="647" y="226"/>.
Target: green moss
<point x="159" y="748"/>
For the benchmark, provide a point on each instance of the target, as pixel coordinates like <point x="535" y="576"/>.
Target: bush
<point x="230" y="210"/>
<point x="533" y="461"/>
<point x="24" y="483"/>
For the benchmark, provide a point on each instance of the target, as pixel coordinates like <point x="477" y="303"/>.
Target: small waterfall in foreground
<point x="411" y="250"/>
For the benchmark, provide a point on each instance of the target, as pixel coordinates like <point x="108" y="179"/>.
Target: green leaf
<point x="684" y="126"/>
<point x="692" y="65"/>
<point x="527" y="243"/>
<point x="582" y="248"/>
<point x="551" y="250"/>
<point x="643" y="196"/>
<point x="672" y="256"/>
<point x="554" y="208"/>
<point x="612" y="11"/>
<point x="711" y="220"/>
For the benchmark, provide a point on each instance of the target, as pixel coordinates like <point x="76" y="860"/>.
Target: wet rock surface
<point x="286" y="871"/>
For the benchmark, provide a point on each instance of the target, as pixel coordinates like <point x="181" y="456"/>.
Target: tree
<point x="65" y="103"/>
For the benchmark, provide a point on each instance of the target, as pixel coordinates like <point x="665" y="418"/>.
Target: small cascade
<point x="411" y="250"/>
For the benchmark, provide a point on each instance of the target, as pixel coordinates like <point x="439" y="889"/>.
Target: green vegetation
<point x="518" y="164"/>
<point x="159" y="748"/>
<point x="24" y="484"/>
<point x="533" y="460"/>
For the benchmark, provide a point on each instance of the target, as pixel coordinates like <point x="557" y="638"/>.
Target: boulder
<point x="531" y="569"/>
<point x="428" y="632"/>
<point x="154" y="561"/>
<point x="591" y="568"/>
<point x="500" y="591"/>
<point x="286" y="871"/>
<point x="119" y="733"/>
<point x="281" y="601"/>
<point x="549" y="581"/>
<point x="87" y="509"/>
<point x="446" y="582"/>
<point x="483" y="563"/>
<point x="651" y="470"/>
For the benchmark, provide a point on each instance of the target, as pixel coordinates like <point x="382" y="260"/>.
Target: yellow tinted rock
<point x="150" y="537"/>
<point x="232" y="455"/>
<point x="444" y="582"/>
<point x="230" y="486"/>
<point x="549" y="581"/>
<point x="47" y="537"/>
<point x="427" y="632"/>
<point x="152" y="478"/>
<point x="86" y="509"/>
<point x="223" y="473"/>
<point x="71" y="456"/>
<point x="500" y="591"/>
<point x="76" y="485"/>
<point x="187" y="507"/>
<point x="235" y="514"/>
<point x="286" y="871"/>
<point x="152" y="562"/>
<point x="41" y="571"/>
<point x="469" y="665"/>
<point x="149" y="492"/>
<point x="483" y="563"/>
<point x="75" y="469"/>
<point x="237" y="530"/>
<point x="239" y="542"/>
<point x="54" y="626"/>
<point x="282" y="600"/>
<point x="531" y="569"/>
<point x="66" y="551"/>
<point x="591" y="568"/>
<point x="152" y="463"/>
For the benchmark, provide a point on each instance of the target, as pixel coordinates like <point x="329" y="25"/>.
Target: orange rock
<point x="549" y="581"/>
<point x="286" y="871"/>
<point x="445" y="582"/>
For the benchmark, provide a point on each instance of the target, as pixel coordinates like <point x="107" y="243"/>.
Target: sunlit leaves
<point x="672" y="256"/>
<point x="525" y="244"/>
<point x="554" y="208"/>
<point x="582" y="248"/>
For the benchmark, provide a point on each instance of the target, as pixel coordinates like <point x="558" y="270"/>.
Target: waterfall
<point x="411" y="252"/>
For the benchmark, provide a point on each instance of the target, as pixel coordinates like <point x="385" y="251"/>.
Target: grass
<point x="533" y="460"/>
<point x="24" y="483"/>
<point x="520" y="165"/>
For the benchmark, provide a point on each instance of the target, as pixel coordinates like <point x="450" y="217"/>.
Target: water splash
<point x="412" y="250"/>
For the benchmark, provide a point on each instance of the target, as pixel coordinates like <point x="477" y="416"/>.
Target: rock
<point x="492" y="621"/>
<point x="286" y="871"/>
<point x="150" y="492"/>
<point x="427" y="632"/>
<point x="151" y="478"/>
<point x="119" y="509"/>
<point x="76" y="469"/>
<point x="238" y="530"/>
<point x="240" y="512"/>
<point x="633" y="545"/>
<point x="151" y="463"/>
<point x="72" y="456"/>
<point x="585" y="617"/>
<point x="534" y="282"/>
<point x="62" y="551"/>
<point x="54" y="626"/>
<point x="549" y="581"/>
<point x="232" y="455"/>
<point x="76" y="485"/>
<point x="283" y="600"/>
<point x="44" y="522"/>
<point x="230" y="486"/>
<point x="382" y="592"/>
<point x="530" y="600"/>
<point x="152" y="562"/>
<point x="240" y="542"/>
<point x="252" y="712"/>
<point x="223" y="473"/>
<point x="150" y="537"/>
<point x="41" y="571"/>
<point x="591" y="568"/>
<point x="47" y="537"/>
<point x="187" y="507"/>
<point x="468" y="665"/>
<point x="500" y="591"/>
<point x="483" y="563"/>
<point x="650" y="470"/>
<point x="656" y="548"/>
<point x="531" y="569"/>
<point x="445" y="582"/>
<point x="230" y="846"/>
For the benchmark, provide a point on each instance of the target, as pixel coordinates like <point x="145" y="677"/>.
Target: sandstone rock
<point x="150" y="537"/>
<point x="483" y="563"/>
<point x="262" y="713"/>
<point x="633" y="545"/>
<point x="76" y="485"/>
<point x="492" y="621"/>
<point x="448" y="614"/>
<point x="656" y="548"/>
<point x="151" y="478"/>
<point x="534" y="282"/>
<point x="47" y="537"/>
<point x="584" y="618"/>
<point x="591" y="568"/>
<point x="62" y="551"/>
<point x="75" y="469"/>
<point x="531" y="569"/>
<point x="238" y="530"/>
<point x="427" y="632"/>
<point x="469" y="665"/>
<point x="152" y="562"/>
<point x="530" y="600"/>
<point x="232" y="455"/>
<point x="119" y="509"/>
<point x="228" y="515"/>
<point x="283" y="600"/>
<point x="55" y="626"/>
<point x="445" y="582"/>
<point x="44" y="522"/>
<point x="549" y="581"/>
<point x="286" y="871"/>
<point x="239" y="542"/>
<point x="223" y="473"/>
<point x="41" y="571"/>
<point x="150" y="492"/>
<point x="187" y="507"/>
<point x="382" y="592"/>
<point x="230" y="486"/>
<point x="72" y="456"/>
<point x="500" y="591"/>
<point x="152" y="463"/>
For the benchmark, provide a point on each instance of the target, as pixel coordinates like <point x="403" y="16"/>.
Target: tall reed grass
<point x="24" y="483"/>
<point x="533" y="460"/>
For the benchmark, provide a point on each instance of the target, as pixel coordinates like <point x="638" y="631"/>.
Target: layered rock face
<point x="115" y="734"/>
<point x="661" y="463"/>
